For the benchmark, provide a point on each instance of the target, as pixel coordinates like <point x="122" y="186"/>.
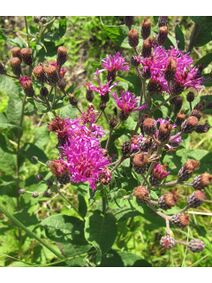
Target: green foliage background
<point x="128" y="235"/>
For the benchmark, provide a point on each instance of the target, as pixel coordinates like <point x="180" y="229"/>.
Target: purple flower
<point x="80" y="152"/>
<point x="135" y="142"/>
<point x="186" y="75"/>
<point x="127" y="102"/>
<point x="175" y="140"/>
<point x="102" y="89"/>
<point x="159" y="171"/>
<point x="114" y="63"/>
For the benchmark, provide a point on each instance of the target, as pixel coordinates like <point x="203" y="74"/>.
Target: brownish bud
<point x="72" y="99"/>
<point x="39" y="73"/>
<point x="26" y="55"/>
<point x="147" y="48"/>
<point x="141" y="193"/>
<point x="168" y="200"/>
<point x="146" y="28"/>
<point x="126" y="149"/>
<point x="61" y="83"/>
<point x="133" y="37"/>
<point x="89" y="95"/>
<point x="196" y="113"/>
<point x="203" y="128"/>
<point x="202" y="181"/>
<point x="162" y="36"/>
<point x="180" y="118"/>
<point x="140" y="162"/>
<point x="177" y="103"/>
<point x="170" y="69"/>
<point x="181" y="220"/>
<point x="164" y="131"/>
<point x="188" y="168"/>
<point x="62" y="55"/>
<point x="15" y="64"/>
<point x="44" y="92"/>
<point x="162" y="21"/>
<point x="189" y="125"/>
<point x="16" y="52"/>
<point x="196" y="199"/>
<point x="51" y="73"/>
<point x="149" y="126"/>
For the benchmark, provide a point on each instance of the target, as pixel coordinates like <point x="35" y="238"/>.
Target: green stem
<point x="30" y="233"/>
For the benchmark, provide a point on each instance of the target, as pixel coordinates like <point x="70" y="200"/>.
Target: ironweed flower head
<point x="127" y="102"/>
<point x="114" y="63"/>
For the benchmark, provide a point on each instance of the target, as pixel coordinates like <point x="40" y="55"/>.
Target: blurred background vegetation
<point x="89" y="39"/>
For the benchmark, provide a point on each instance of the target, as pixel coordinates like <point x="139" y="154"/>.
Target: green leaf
<point x="76" y="254"/>
<point x="101" y="229"/>
<point x="130" y="259"/>
<point x="179" y="37"/>
<point x="116" y="33"/>
<point x="205" y="60"/>
<point x="203" y="30"/>
<point x="64" y="228"/>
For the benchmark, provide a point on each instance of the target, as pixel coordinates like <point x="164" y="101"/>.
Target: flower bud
<point x="190" y="96"/>
<point x="60" y="169"/>
<point x="72" y="99"/>
<point x="154" y="87"/>
<point x="167" y="242"/>
<point x="146" y="28"/>
<point x="196" y="245"/>
<point x="164" y="132"/>
<point x="51" y="73"/>
<point x="188" y="168"/>
<point x="149" y="126"/>
<point x="26" y="55"/>
<point x="26" y="84"/>
<point x="181" y="220"/>
<point x="170" y="69"/>
<point x="204" y="128"/>
<point x="147" y="48"/>
<point x="196" y="198"/>
<point x="16" y="52"/>
<point x="44" y="92"/>
<point x="162" y="36"/>
<point x="162" y="21"/>
<point x="196" y="113"/>
<point x="126" y="149"/>
<point x="189" y="125"/>
<point x="105" y="177"/>
<point x="39" y="73"/>
<point x="141" y="193"/>
<point x="15" y="64"/>
<point x="135" y="60"/>
<point x="202" y="181"/>
<point x="180" y="118"/>
<point x="168" y="200"/>
<point x="133" y="37"/>
<point x="159" y="173"/>
<point x="62" y="55"/>
<point x="140" y="162"/>
<point x="129" y="21"/>
<point x="89" y="95"/>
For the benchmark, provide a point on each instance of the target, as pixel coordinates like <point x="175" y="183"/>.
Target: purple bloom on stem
<point x="127" y="102"/>
<point x="114" y="63"/>
<point x="159" y="171"/>
<point x="80" y="150"/>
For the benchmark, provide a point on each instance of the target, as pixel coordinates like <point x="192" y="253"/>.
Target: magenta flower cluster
<point x="186" y="75"/>
<point x="82" y="151"/>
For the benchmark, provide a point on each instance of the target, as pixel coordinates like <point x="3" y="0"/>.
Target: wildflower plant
<point x="117" y="159"/>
